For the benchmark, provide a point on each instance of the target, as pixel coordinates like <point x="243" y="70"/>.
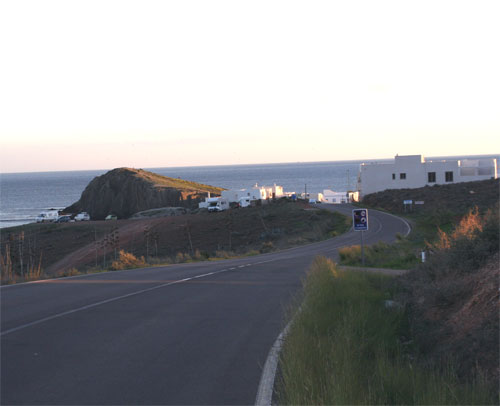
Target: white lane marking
<point x="266" y="384"/>
<point x="113" y="299"/>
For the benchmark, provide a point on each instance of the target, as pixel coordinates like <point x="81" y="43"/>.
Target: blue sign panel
<point x="360" y="219"/>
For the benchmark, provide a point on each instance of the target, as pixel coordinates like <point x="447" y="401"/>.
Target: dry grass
<point x="126" y="260"/>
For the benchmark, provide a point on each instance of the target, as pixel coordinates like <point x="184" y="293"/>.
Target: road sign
<point x="407" y="201"/>
<point x="360" y="219"/>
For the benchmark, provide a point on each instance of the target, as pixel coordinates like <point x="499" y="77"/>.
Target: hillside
<point x="456" y="198"/>
<point x="125" y="191"/>
<point x="453" y="298"/>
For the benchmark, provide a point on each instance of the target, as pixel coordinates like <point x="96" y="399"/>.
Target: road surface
<point x="195" y="333"/>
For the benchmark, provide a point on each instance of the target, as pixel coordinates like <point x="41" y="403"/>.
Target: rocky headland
<point x="126" y="191"/>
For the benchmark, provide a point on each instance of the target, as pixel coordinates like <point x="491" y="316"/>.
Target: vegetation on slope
<point x="440" y="347"/>
<point x="453" y="298"/>
<point x="161" y="181"/>
<point x="444" y="206"/>
<point x="346" y="347"/>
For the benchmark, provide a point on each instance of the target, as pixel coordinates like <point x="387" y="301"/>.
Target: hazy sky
<point x="102" y="84"/>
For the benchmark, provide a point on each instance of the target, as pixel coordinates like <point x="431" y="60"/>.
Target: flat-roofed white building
<point x="329" y="196"/>
<point x="413" y="171"/>
<point x="254" y="193"/>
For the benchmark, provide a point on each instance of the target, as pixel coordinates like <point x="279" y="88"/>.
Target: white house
<point x="413" y="171"/>
<point x="244" y="196"/>
<point x="312" y="197"/>
<point x="331" y="197"/>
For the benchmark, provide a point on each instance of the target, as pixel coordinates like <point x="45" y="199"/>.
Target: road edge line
<point x="266" y="384"/>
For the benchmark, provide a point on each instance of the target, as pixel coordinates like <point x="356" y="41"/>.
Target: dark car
<point x="63" y="219"/>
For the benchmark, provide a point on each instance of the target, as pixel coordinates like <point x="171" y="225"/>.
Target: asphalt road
<point x="192" y="334"/>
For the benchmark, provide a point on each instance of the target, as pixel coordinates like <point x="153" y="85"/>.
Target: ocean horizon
<point x="23" y="195"/>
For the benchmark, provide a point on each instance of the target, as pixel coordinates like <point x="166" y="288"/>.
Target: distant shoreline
<point x="340" y="162"/>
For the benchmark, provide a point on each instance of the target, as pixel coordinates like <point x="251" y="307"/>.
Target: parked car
<point x="83" y="216"/>
<point x="63" y="219"/>
<point x="111" y="217"/>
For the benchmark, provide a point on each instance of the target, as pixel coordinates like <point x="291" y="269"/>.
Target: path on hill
<point x="196" y="333"/>
<point x="128" y="230"/>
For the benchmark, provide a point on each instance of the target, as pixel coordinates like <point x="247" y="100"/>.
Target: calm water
<point x="24" y="195"/>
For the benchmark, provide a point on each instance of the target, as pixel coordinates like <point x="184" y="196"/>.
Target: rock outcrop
<point x="125" y="191"/>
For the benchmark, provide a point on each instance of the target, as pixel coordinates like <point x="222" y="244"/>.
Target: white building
<point x="331" y="197"/>
<point x="242" y="196"/>
<point x="312" y="197"/>
<point x="413" y="171"/>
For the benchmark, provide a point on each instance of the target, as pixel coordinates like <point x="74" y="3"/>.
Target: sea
<point x="25" y="195"/>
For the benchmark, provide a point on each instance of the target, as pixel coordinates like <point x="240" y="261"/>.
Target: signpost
<point x="360" y="223"/>
<point x="407" y="203"/>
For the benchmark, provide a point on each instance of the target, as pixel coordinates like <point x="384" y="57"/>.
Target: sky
<point x="104" y="84"/>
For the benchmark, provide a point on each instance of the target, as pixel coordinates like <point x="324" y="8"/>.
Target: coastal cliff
<point x="125" y="191"/>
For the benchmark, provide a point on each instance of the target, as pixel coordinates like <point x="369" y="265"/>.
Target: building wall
<point x="329" y="196"/>
<point x="412" y="171"/>
<point x="254" y="193"/>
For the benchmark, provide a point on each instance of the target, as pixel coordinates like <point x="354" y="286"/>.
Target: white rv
<point x="47" y="216"/>
<point x="244" y="201"/>
<point x="219" y="205"/>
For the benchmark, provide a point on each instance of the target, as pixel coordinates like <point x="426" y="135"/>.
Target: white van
<point x="219" y="205"/>
<point x="46" y="216"/>
<point x="83" y="216"/>
<point x="244" y="201"/>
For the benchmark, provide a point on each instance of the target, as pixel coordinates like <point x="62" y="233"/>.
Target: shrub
<point x="224" y="254"/>
<point x="197" y="255"/>
<point x="127" y="260"/>
<point x="71" y="272"/>
<point x="267" y="247"/>
<point x="474" y="240"/>
<point x="400" y="255"/>
<point x="350" y="255"/>
<point x="180" y="257"/>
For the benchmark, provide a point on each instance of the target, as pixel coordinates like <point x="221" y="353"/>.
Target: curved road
<point x="194" y="333"/>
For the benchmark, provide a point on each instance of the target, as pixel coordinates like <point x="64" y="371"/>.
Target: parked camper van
<point x="47" y="216"/>
<point x="219" y="205"/>
<point x="83" y="216"/>
<point x="244" y="201"/>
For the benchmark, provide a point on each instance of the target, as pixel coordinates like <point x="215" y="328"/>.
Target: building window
<point x="402" y="176"/>
<point x="448" y="176"/>
<point x="431" y="177"/>
<point x="393" y="176"/>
